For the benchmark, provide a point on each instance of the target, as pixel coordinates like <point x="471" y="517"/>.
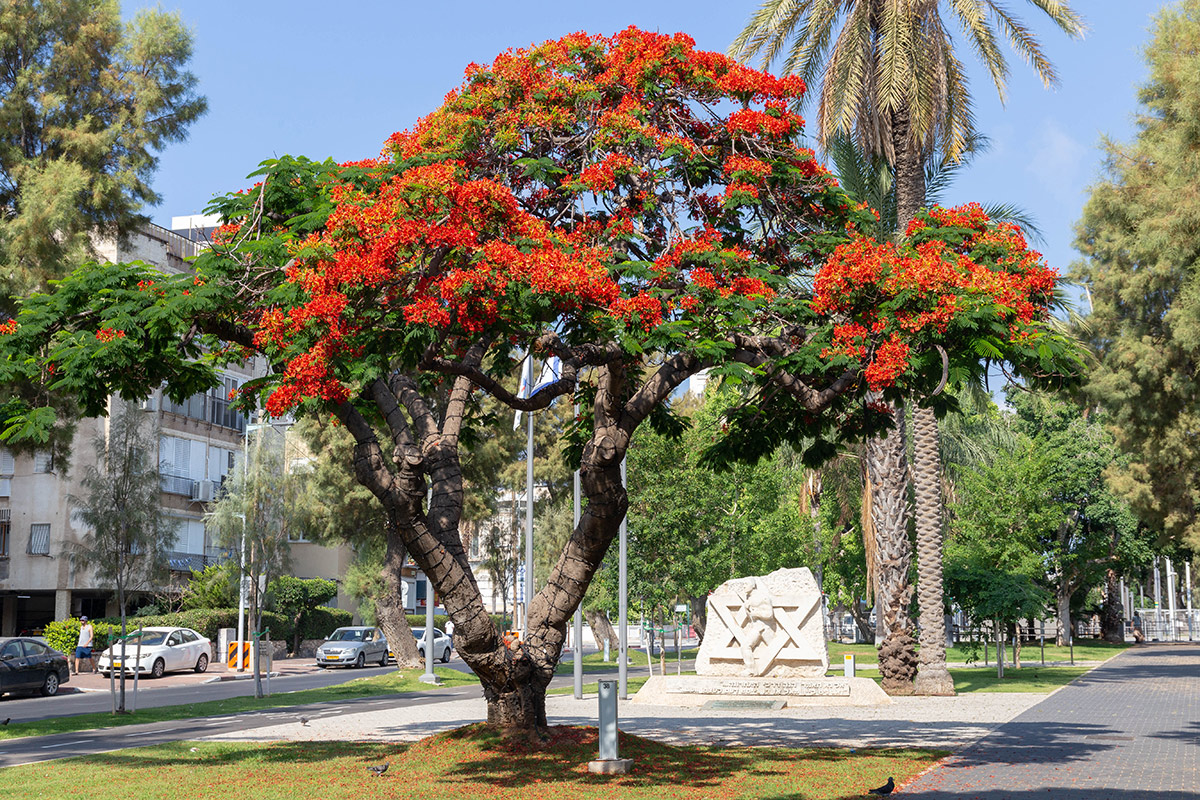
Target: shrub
<point x="208" y="622"/>
<point x="63" y="634"/>
<point x="320" y="622"/>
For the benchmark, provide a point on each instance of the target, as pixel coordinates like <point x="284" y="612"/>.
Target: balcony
<point x="174" y="484"/>
<point x="186" y="562"/>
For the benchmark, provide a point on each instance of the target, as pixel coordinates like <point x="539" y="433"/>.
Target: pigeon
<point x="6" y="721"/>
<point x="304" y="721"/>
<point x="379" y="769"/>
<point x="884" y="790"/>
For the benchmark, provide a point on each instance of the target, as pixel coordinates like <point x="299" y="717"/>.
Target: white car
<point x="162" y="650"/>
<point x="441" y="644"/>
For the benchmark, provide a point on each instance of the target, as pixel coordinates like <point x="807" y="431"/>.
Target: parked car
<point x="441" y="644"/>
<point x="29" y="664"/>
<point x="353" y="647"/>
<point x="162" y="650"/>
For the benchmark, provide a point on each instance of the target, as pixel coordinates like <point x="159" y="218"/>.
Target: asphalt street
<point x="14" y="752"/>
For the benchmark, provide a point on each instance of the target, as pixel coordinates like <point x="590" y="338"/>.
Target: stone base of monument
<point x="611" y="766"/>
<point x="702" y="690"/>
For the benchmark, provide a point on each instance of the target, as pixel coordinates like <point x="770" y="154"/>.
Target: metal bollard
<point x="608" y="720"/>
<point x="609" y="762"/>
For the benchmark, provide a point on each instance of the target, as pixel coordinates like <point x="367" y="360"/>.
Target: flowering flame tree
<point x="635" y="207"/>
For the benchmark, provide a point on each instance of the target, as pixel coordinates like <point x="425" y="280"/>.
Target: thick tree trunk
<point x="933" y="677"/>
<point x="1112" y="624"/>
<point x="699" y="613"/>
<point x="862" y="619"/>
<point x="1063" y="604"/>
<point x="389" y="607"/>
<point x="910" y="171"/>
<point x="888" y="470"/>
<point x="602" y="630"/>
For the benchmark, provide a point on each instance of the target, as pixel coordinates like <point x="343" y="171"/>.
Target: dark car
<point x="28" y="664"/>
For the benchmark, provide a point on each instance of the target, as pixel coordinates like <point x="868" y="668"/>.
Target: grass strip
<point x="471" y="762"/>
<point x="633" y="684"/>
<point x="398" y="682"/>
<point x="1032" y="679"/>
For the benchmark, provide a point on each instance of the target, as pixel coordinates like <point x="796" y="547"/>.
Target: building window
<point x="39" y="539"/>
<point x="5" y="528"/>
<point x="7" y="463"/>
<point x="43" y="463"/>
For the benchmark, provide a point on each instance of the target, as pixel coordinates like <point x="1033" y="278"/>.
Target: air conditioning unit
<point x="149" y="404"/>
<point x="202" y="491"/>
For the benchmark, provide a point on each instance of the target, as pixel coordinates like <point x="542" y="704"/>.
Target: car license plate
<point x="117" y="664"/>
<point x="331" y="658"/>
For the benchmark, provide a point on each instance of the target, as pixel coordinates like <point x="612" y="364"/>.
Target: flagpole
<point x="528" y="521"/>
<point x="577" y="653"/>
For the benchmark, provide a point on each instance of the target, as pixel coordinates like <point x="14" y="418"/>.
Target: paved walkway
<point x="1128" y="730"/>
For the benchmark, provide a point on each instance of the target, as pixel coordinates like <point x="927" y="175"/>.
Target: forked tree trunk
<point x="933" y="678"/>
<point x="888" y="471"/>
<point x="389" y="607"/>
<point x="602" y="629"/>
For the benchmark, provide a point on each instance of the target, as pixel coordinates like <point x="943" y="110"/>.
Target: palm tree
<point x="891" y="79"/>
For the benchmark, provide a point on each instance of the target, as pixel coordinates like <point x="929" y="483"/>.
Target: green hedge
<point x="208" y="622"/>
<point x="63" y="634"/>
<point x="439" y="620"/>
<point x="322" y="621"/>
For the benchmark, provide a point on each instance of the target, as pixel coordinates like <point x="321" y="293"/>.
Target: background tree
<point x="212" y="587"/>
<point x="254" y="519"/>
<point x="891" y="79"/>
<point x="128" y="534"/>
<point x="86" y="102"/>
<point x="593" y="196"/>
<point x="295" y="598"/>
<point x="1140" y="252"/>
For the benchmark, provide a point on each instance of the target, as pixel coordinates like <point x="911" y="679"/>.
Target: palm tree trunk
<point x="933" y="678"/>
<point x="888" y="470"/>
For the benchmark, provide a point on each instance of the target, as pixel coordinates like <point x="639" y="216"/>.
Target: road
<point x="167" y="691"/>
<point x="14" y="752"/>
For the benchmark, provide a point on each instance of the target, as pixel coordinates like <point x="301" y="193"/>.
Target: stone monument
<point x="765" y="627"/>
<point x="764" y="647"/>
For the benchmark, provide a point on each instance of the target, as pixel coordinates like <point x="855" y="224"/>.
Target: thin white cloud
<point x="1056" y="163"/>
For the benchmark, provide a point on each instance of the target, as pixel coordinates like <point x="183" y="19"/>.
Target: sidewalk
<point x="1128" y="730"/>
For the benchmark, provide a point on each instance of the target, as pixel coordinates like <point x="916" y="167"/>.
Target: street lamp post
<point x="241" y="630"/>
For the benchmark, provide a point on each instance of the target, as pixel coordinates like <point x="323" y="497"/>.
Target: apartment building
<point x="201" y="441"/>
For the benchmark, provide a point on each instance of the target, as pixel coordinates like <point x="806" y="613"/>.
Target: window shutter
<point x="7" y="462"/>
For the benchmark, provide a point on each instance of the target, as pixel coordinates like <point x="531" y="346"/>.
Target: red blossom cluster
<point x="108" y="334"/>
<point x="921" y="288"/>
<point x="8" y="327"/>
<point x="457" y="230"/>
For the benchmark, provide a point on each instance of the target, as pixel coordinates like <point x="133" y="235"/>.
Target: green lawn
<point x="633" y="684"/>
<point x="468" y="763"/>
<point x="1085" y="650"/>
<point x="594" y="662"/>
<point x="388" y="683"/>
<point x="1030" y="678"/>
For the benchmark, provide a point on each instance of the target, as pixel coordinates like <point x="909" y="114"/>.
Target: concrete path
<point x="1128" y="730"/>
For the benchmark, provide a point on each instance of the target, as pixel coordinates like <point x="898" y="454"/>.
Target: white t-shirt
<point x="85" y="636"/>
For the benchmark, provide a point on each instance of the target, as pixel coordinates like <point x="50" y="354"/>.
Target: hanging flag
<point x="551" y="371"/>
<point x="523" y="391"/>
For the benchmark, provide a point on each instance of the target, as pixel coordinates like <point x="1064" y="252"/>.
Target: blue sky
<point x="326" y="79"/>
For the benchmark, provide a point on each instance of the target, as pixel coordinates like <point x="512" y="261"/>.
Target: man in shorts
<point x="83" y="648"/>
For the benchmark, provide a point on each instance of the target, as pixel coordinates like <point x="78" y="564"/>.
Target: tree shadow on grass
<point x="562" y="760"/>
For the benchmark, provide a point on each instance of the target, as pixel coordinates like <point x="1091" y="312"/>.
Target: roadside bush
<point x="63" y="634"/>
<point x="320" y="622"/>
<point x="440" y="620"/>
<point x="207" y="622"/>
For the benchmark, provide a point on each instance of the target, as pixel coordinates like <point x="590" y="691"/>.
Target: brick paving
<point x="1128" y="730"/>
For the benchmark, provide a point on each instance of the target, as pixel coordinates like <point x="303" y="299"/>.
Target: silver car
<point x="353" y="647"/>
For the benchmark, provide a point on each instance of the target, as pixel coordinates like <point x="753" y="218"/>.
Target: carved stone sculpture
<point x="765" y="627"/>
